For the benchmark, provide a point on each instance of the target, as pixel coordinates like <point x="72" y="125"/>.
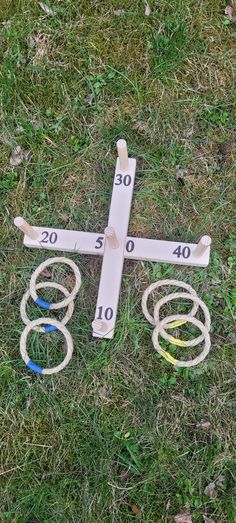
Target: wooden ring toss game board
<point x="114" y="245"/>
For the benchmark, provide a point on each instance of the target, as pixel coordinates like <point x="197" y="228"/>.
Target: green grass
<point x="119" y="426"/>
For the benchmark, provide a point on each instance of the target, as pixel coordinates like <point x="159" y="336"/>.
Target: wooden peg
<point x="99" y="326"/>
<point x="111" y="237"/>
<point x="21" y="224"/>
<point x="123" y="154"/>
<point x="202" y="246"/>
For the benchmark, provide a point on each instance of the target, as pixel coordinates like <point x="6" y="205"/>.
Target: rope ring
<point x="48" y="328"/>
<point x="166" y="355"/>
<point x="171" y="339"/>
<point x="24" y="354"/>
<point x="40" y="268"/>
<point x="161" y="283"/>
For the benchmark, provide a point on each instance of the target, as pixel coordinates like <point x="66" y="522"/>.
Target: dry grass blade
<point x="230" y="10"/>
<point x="147" y="9"/>
<point x="46" y="273"/>
<point x="18" y="156"/>
<point x="40" y="43"/>
<point x="185" y="517"/>
<point x="135" y="509"/>
<point x="48" y="10"/>
<point x="204" y="424"/>
<point x="89" y="99"/>
<point x="211" y="491"/>
<point x="208" y="520"/>
<point x="118" y="12"/>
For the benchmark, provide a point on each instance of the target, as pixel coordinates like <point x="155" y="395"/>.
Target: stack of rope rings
<point x="50" y="324"/>
<point x="176" y="320"/>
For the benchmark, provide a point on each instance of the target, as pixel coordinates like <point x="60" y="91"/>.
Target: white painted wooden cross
<point x="114" y="245"/>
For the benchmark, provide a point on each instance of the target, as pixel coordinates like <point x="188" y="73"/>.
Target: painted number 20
<point x="184" y="252"/>
<point x="49" y="238"/>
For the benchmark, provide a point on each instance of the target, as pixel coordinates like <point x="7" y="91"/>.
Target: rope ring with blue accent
<point x="68" y="299"/>
<point x="24" y="354"/>
<point x="46" y="285"/>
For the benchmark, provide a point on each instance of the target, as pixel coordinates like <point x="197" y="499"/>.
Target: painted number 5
<point x="99" y="242"/>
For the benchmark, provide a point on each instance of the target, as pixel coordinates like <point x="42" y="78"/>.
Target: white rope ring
<point x="42" y="285"/>
<point x="40" y="268"/>
<point x="166" y="355"/>
<point x="161" y="283"/>
<point x="171" y="339"/>
<point x="69" y="345"/>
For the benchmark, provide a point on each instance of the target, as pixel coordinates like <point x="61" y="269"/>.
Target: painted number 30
<point x="123" y="180"/>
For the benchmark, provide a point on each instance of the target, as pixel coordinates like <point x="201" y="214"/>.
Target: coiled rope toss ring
<point x="23" y="340"/>
<point x="163" y="283"/>
<point x="46" y="285"/>
<point x="171" y="339"/>
<point x="184" y="318"/>
<point x="177" y="320"/>
<point x="66" y="301"/>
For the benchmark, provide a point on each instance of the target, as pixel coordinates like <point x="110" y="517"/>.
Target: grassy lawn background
<point x="119" y="426"/>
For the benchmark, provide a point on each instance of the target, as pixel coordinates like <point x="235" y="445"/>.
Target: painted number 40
<point x="184" y="252"/>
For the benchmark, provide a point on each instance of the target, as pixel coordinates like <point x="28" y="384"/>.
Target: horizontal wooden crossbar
<point x="161" y="251"/>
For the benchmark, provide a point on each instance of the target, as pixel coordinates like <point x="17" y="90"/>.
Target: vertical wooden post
<point x="202" y="246"/>
<point x="123" y="154"/>
<point x="99" y="326"/>
<point x="21" y="224"/>
<point x="111" y="237"/>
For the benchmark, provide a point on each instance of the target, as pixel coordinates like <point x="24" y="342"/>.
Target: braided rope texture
<point x="46" y="285"/>
<point x="176" y="320"/>
<point x="51" y="324"/>
<point x="60" y="327"/>
<point x="44" y="265"/>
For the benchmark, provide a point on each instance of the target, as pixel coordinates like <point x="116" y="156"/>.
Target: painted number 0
<point x="51" y="238"/>
<point x="185" y="252"/>
<point x="125" y="180"/>
<point x="130" y="246"/>
<point x="108" y="313"/>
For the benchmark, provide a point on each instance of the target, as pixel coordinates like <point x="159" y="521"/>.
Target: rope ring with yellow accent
<point x="68" y="299"/>
<point x="163" y="283"/>
<point x="168" y="337"/>
<point x="31" y="364"/>
<point x="46" y="285"/>
<point x="183" y="318"/>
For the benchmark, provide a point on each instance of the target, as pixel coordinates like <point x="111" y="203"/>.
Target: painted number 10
<point x="107" y="314"/>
